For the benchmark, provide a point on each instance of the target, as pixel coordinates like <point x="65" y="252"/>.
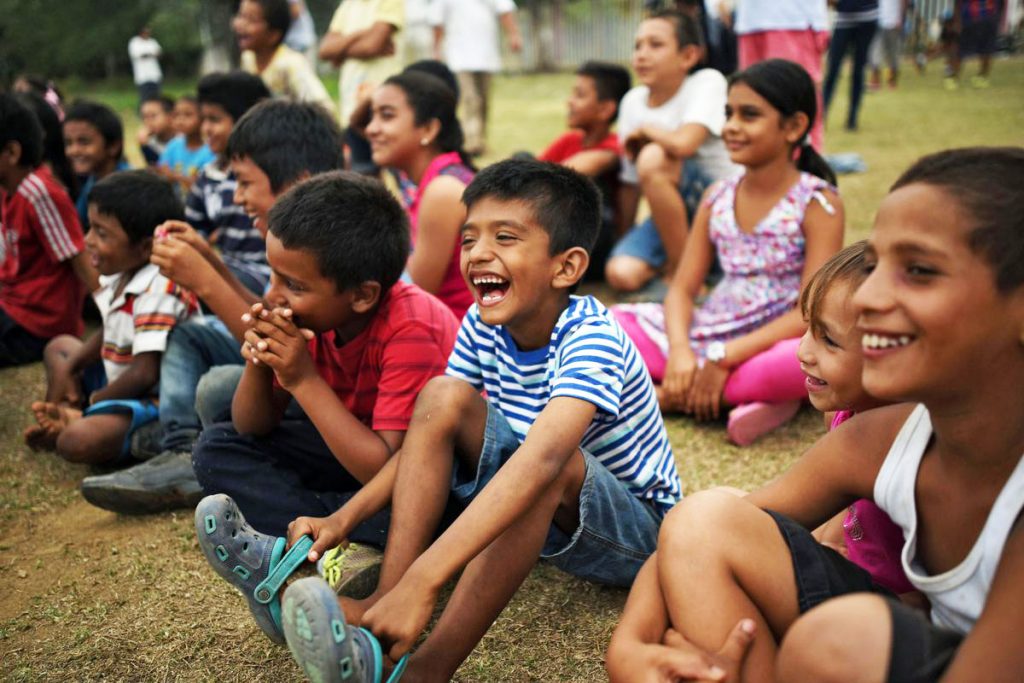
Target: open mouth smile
<point x="490" y="289"/>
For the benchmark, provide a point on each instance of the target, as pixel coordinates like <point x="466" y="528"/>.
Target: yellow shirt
<point x="359" y="74"/>
<point x="289" y="75"/>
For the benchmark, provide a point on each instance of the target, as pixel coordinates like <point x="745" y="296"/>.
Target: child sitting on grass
<point x="94" y="144"/>
<point x="139" y="308"/>
<point x="591" y="147"/>
<point x="210" y="206"/>
<point x="941" y="324"/>
<point x="566" y="457"/>
<point x="186" y="153"/>
<point x="260" y="26"/>
<point x="44" y="271"/>
<point x="273" y="146"/>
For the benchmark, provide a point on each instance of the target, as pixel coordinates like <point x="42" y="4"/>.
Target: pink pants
<point x="806" y="48"/>
<point x="772" y="376"/>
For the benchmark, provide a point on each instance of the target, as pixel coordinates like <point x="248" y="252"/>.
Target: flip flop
<point x="328" y="649"/>
<point x="142" y="412"/>
<point x="254" y="563"/>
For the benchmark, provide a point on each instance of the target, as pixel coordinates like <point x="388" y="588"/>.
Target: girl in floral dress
<point x="771" y="227"/>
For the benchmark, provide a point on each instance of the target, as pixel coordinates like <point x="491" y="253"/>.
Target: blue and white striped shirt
<point x="589" y="358"/>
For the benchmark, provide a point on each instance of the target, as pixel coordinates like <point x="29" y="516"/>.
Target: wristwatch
<point x="716" y="352"/>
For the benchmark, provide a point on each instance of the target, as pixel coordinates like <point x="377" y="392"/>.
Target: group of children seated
<point x="312" y="357"/>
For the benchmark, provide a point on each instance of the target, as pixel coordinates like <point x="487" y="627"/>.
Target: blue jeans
<point x="288" y="473"/>
<point x="193" y="348"/>
<point x="617" y="531"/>
<point x="859" y="37"/>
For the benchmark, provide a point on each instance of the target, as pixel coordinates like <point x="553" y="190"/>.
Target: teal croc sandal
<point x="254" y="563"/>
<point x="328" y="649"/>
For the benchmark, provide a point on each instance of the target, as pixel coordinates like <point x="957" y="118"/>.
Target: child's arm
<point x="989" y="651"/>
<point x="283" y="347"/>
<point x="86" y="273"/>
<point x="592" y="162"/>
<point x="823" y="235"/>
<point x="681" y="143"/>
<point x="681" y="365"/>
<point x="627" y="200"/>
<point x="373" y="41"/>
<point x="441" y="215"/>
<point x="511" y="29"/>
<point x="186" y="258"/>
<point x="257" y="406"/>
<point x="64" y="381"/>
<point x="135" y="381"/>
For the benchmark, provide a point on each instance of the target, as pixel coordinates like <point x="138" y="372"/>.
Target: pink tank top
<point x="873" y="541"/>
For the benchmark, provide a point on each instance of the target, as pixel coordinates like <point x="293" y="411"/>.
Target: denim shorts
<point x="643" y="241"/>
<point x="617" y="531"/>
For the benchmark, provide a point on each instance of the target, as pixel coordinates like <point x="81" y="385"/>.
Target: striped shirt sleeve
<point x="464" y="361"/>
<point x="156" y="311"/>
<point x="591" y="367"/>
<point x="55" y="220"/>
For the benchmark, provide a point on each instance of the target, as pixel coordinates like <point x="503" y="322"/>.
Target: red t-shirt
<point x="570" y="143"/>
<point x="39" y="234"/>
<point x="379" y="374"/>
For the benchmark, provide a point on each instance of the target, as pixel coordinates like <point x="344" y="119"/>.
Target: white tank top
<point x="958" y="595"/>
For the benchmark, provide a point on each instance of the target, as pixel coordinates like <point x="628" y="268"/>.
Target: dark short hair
<point x="19" y="124"/>
<point x="352" y="224"/>
<point x="685" y="28"/>
<point x="429" y="97"/>
<point x="986" y="183"/>
<point x="438" y="69"/>
<point x="166" y="102"/>
<point x="139" y="200"/>
<point x="188" y="98"/>
<point x="53" y="140"/>
<point x="566" y="204"/>
<point x="235" y="92"/>
<point x="99" y="116"/>
<point x="277" y="14"/>
<point x="286" y="140"/>
<point x="846" y="265"/>
<point x="611" y="81"/>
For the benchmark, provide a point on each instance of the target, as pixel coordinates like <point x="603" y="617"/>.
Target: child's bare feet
<point x="52" y="418"/>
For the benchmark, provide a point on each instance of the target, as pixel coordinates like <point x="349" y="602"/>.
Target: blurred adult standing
<point x="468" y="31"/>
<point x="145" y="53"/>
<point x="301" y="35"/>
<point x="856" y="23"/>
<point x="796" y="30"/>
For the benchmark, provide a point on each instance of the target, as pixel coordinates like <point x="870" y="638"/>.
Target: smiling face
<point x="252" y="192"/>
<point x="251" y="28"/>
<point x="216" y="126"/>
<point x="657" y="56"/>
<point x="754" y="131"/>
<point x="933" y="322"/>
<point x="87" y="150"/>
<point x="109" y="248"/>
<point x="395" y="139"/>
<point x="296" y="283"/>
<point x="830" y="354"/>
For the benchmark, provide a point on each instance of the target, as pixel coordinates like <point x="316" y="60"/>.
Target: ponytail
<point x="809" y="161"/>
<point x="788" y="88"/>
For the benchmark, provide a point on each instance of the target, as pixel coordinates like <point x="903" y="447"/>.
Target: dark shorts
<point x="920" y="651"/>
<point x="17" y="345"/>
<point x="978" y="37"/>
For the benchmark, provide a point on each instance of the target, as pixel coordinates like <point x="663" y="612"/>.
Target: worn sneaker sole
<point x="354" y="572"/>
<point x="132" y="500"/>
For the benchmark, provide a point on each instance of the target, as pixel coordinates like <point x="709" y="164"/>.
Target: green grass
<point x="89" y="595"/>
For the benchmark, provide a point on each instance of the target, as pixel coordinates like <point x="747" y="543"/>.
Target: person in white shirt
<point x="468" y="30"/>
<point x="145" y="53"/>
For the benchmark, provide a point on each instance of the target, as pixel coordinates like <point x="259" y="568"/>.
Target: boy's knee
<point x="59" y="347"/>
<point x="702" y="519"/>
<point x="215" y="392"/>
<point x="839" y="640"/>
<point x="626" y="273"/>
<point x="444" y="396"/>
<point x="653" y="160"/>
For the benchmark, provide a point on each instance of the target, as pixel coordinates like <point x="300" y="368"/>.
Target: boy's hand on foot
<point x="399" y="617"/>
<point x="705" y="398"/>
<point x="664" y="664"/>
<point x="728" y="661"/>
<point x="326" y="532"/>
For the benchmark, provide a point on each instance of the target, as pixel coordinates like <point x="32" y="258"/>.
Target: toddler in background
<point x="186" y="153"/>
<point x="771" y="228"/>
<point x="157" y="129"/>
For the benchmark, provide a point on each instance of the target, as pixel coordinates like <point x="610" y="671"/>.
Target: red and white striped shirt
<point x="39" y="234"/>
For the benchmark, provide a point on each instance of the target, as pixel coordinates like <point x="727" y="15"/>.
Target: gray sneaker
<point x="165" y="482"/>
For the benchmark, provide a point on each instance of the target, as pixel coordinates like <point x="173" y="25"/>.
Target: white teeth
<point x="879" y="341"/>
<point x="488" y="280"/>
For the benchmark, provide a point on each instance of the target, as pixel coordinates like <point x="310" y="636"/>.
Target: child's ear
<point x="796" y="126"/>
<point x="365" y="296"/>
<point x="689" y="55"/>
<point x="145" y="247"/>
<point x="572" y="264"/>
<point x="606" y="109"/>
<point x="431" y="130"/>
<point x="12" y="152"/>
<point x="115" y="149"/>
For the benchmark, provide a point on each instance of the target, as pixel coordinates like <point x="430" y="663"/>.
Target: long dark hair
<point x="431" y="98"/>
<point x="53" y="140"/>
<point x="788" y="87"/>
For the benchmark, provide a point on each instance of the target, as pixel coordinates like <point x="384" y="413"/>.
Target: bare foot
<point x="52" y="419"/>
<point x="36" y="438"/>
